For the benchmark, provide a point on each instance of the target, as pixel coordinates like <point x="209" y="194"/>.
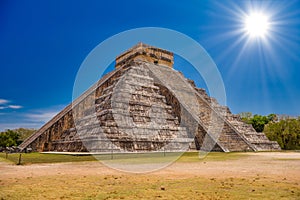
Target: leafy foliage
<point x="258" y="121"/>
<point x="14" y="137"/>
<point x="283" y="129"/>
<point x="286" y="132"/>
<point x="9" y="138"/>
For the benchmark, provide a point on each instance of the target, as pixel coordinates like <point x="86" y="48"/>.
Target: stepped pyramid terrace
<point x="145" y="105"/>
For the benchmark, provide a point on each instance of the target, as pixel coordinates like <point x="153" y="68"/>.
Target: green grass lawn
<point x="32" y="158"/>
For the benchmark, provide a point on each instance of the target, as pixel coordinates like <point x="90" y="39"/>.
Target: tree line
<point x="283" y="129"/>
<point x="9" y="138"/>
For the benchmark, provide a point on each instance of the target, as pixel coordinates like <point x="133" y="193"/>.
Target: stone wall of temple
<point x="146" y="53"/>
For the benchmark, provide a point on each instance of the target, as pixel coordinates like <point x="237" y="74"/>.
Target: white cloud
<point x="3" y="101"/>
<point x="31" y="119"/>
<point x="42" y="116"/>
<point x="15" y="106"/>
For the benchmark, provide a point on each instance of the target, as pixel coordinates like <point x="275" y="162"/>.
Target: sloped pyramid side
<point x="163" y="106"/>
<point x="211" y="123"/>
<point x="132" y="115"/>
<point x="98" y="128"/>
<point x="235" y="134"/>
<point x="64" y="117"/>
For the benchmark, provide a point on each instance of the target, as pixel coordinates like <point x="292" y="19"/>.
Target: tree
<point x="257" y="121"/>
<point x="9" y="138"/>
<point x="286" y="132"/>
<point x="14" y="137"/>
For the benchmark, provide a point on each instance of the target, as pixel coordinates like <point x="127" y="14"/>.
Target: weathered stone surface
<point x="146" y="53"/>
<point x="145" y="105"/>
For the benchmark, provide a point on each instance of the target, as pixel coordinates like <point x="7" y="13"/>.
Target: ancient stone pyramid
<point x="146" y="105"/>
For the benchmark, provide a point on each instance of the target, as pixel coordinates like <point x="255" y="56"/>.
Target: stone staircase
<point x="212" y="122"/>
<point x="36" y="140"/>
<point x="129" y="115"/>
<point x="258" y="140"/>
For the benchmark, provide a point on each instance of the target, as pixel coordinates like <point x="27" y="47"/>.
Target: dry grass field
<point x="264" y="175"/>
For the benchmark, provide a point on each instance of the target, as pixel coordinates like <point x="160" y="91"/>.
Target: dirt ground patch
<point x="264" y="175"/>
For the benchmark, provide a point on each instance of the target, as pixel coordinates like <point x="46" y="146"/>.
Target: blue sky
<point x="43" y="44"/>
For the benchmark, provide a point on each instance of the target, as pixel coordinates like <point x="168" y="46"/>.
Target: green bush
<point x="286" y="132"/>
<point x="9" y="138"/>
<point x="257" y="121"/>
<point x="14" y="137"/>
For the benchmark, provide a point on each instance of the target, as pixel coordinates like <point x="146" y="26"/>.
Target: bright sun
<point x="256" y="25"/>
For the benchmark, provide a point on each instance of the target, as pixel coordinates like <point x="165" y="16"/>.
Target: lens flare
<point x="256" y="25"/>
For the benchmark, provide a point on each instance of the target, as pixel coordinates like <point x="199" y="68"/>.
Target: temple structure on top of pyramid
<point x="145" y="105"/>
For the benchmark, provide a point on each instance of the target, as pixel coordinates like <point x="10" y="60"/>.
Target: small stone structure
<point x="146" y="105"/>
